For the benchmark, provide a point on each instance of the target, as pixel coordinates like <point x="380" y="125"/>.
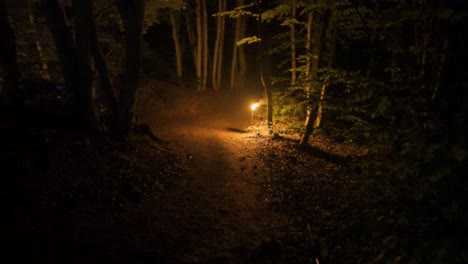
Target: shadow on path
<point x="318" y="153"/>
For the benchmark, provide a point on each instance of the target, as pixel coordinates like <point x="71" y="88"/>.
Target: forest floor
<point x="211" y="188"/>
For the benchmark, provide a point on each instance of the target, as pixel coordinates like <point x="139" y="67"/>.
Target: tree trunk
<point x="218" y="48"/>
<point x="331" y="62"/>
<point x="221" y="47"/>
<point x="175" y="25"/>
<point x="102" y="68"/>
<point x="205" y="46"/>
<point x="44" y="69"/>
<point x="234" y="58"/>
<point x="66" y="51"/>
<point x="219" y="73"/>
<point x="235" y="51"/>
<point x="264" y="65"/>
<point x="11" y="92"/>
<point x="243" y="66"/>
<point x="313" y="60"/>
<point x="293" y="43"/>
<point x="310" y="20"/>
<point x="199" y="60"/>
<point x="318" y="53"/>
<point x="191" y="37"/>
<point x="132" y="13"/>
<point x="318" y="117"/>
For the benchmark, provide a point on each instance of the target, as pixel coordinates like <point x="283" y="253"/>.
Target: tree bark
<point x="103" y="70"/>
<point x="221" y="47"/>
<point x="234" y="57"/>
<point x="44" y="68"/>
<point x="218" y="48"/>
<point x="318" y="53"/>
<point x="175" y="25"/>
<point x="243" y="66"/>
<point x="264" y="65"/>
<point x="310" y="20"/>
<point x="205" y="46"/>
<point x="65" y="48"/>
<point x="318" y="117"/>
<point x="235" y="51"/>
<point x="199" y="60"/>
<point x="331" y="61"/>
<point x="192" y="38"/>
<point x="132" y="13"/>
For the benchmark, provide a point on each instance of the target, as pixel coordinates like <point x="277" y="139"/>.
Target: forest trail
<point x="216" y="213"/>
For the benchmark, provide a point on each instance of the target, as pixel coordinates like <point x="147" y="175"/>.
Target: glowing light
<point x="254" y="106"/>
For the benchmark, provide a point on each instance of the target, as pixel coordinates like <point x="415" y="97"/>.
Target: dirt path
<point x="216" y="213"/>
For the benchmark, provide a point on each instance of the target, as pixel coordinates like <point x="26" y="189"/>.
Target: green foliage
<point x="397" y="111"/>
<point x="353" y="23"/>
<point x="281" y="10"/>
<point x="248" y="40"/>
<point x="238" y="11"/>
<point x="289" y="113"/>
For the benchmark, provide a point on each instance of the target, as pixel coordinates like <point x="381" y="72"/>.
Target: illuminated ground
<point x="247" y="198"/>
<point x="218" y="211"/>
<point x="210" y="190"/>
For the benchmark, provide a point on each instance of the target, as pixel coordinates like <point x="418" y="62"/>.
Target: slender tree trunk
<point x="199" y="60"/>
<point x="331" y="61"/>
<point x="264" y="65"/>
<point x="11" y="92"/>
<point x="293" y="43"/>
<point x="215" y="54"/>
<point x="221" y="47"/>
<point x="205" y="46"/>
<point x="234" y="58"/>
<point x="235" y="51"/>
<point x="132" y="14"/>
<point x="44" y="69"/>
<point x="243" y="66"/>
<point x="175" y="25"/>
<point x="191" y="37"/>
<point x="310" y="20"/>
<point x="218" y="48"/>
<point x="318" y="117"/>
<point x="314" y="60"/>
<point x="318" y="52"/>
<point x="101" y="66"/>
<point x="65" y="48"/>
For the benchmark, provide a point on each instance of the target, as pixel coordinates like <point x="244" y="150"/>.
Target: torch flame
<point x="254" y="106"/>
